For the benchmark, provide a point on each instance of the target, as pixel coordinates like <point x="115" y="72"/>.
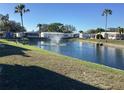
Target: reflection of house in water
<point x="123" y="53"/>
<point x="119" y="56"/>
<point x="115" y="56"/>
<point x="112" y="55"/>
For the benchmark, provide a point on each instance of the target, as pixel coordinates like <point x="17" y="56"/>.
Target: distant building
<point x="112" y="29"/>
<point x="18" y="34"/>
<point x="1" y="34"/>
<point x="84" y="35"/>
<point x="52" y="34"/>
<point x="87" y="36"/>
<point x="31" y="34"/>
<point x="8" y="35"/>
<point x="5" y="34"/>
<point x="111" y="35"/>
<point x="76" y="35"/>
<point x="92" y="36"/>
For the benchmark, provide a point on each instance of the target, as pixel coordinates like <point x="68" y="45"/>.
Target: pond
<point x="109" y="56"/>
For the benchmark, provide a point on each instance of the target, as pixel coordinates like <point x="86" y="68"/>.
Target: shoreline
<point x="104" y="44"/>
<point x="34" y="48"/>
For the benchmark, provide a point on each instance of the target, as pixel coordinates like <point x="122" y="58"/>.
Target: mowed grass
<point x="92" y="74"/>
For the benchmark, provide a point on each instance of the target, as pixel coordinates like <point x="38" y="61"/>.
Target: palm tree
<point x="21" y="10"/>
<point x="39" y="26"/>
<point x="105" y="13"/>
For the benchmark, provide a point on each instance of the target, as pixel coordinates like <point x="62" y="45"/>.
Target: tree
<point x="16" y="27"/>
<point x="39" y="26"/>
<point x="121" y="31"/>
<point x="21" y="9"/>
<point x="69" y="29"/>
<point x="99" y="30"/>
<point x="9" y="25"/>
<point x="5" y="22"/>
<point x="81" y="31"/>
<point x="105" y="13"/>
<point x="55" y="27"/>
<point x="42" y="27"/>
<point x="91" y="31"/>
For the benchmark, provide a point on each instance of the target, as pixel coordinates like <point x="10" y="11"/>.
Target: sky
<point x="82" y="16"/>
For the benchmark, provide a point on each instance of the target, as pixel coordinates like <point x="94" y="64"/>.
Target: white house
<point x="81" y="35"/>
<point x="111" y="35"/>
<point x="52" y="34"/>
<point x="19" y="34"/>
<point x="86" y="36"/>
<point x="31" y="34"/>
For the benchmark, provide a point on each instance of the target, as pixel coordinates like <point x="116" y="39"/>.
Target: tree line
<point x="56" y="27"/>
<point x="99" y="30"/>
<point x="10" y="25"/>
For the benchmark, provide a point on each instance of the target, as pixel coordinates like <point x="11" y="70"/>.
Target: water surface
<point x="109" y="56"/>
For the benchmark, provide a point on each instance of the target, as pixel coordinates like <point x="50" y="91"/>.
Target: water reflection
<point x="109" y="56"/>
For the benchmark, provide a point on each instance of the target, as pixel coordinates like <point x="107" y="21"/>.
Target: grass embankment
<point x="69" y="71"/>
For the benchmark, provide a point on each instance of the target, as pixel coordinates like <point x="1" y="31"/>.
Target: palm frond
<point x="26" y="10"/>
<point x="107" y="12"/>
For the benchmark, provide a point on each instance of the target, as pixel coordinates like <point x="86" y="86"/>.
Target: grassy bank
<point x="116" y="42"/>
<point x="57" y="69"/>
<point x="110" y="43"/>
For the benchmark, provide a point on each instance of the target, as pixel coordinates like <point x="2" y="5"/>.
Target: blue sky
<point x="82" y="16"/>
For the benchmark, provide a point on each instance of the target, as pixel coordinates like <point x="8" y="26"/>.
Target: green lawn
<point x="28" y="67"/>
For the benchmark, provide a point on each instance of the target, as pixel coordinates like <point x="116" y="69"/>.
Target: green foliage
<point x="94" y="31"/>
<point x="91" y="31"/>
<point x="21" y="9"/>
<point x="107" y="12"/>
<point x="120" y="30"/>
<point x="69" y="28"/>
<point x="99" y="30"/>
<point x="16" y="27"/>
<point x="81" y="31"/>
<point x="42" y="27"/>
<point x="4" y="22"/>
<point x="9" y="25"/>
<point x="56" y="27"/>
